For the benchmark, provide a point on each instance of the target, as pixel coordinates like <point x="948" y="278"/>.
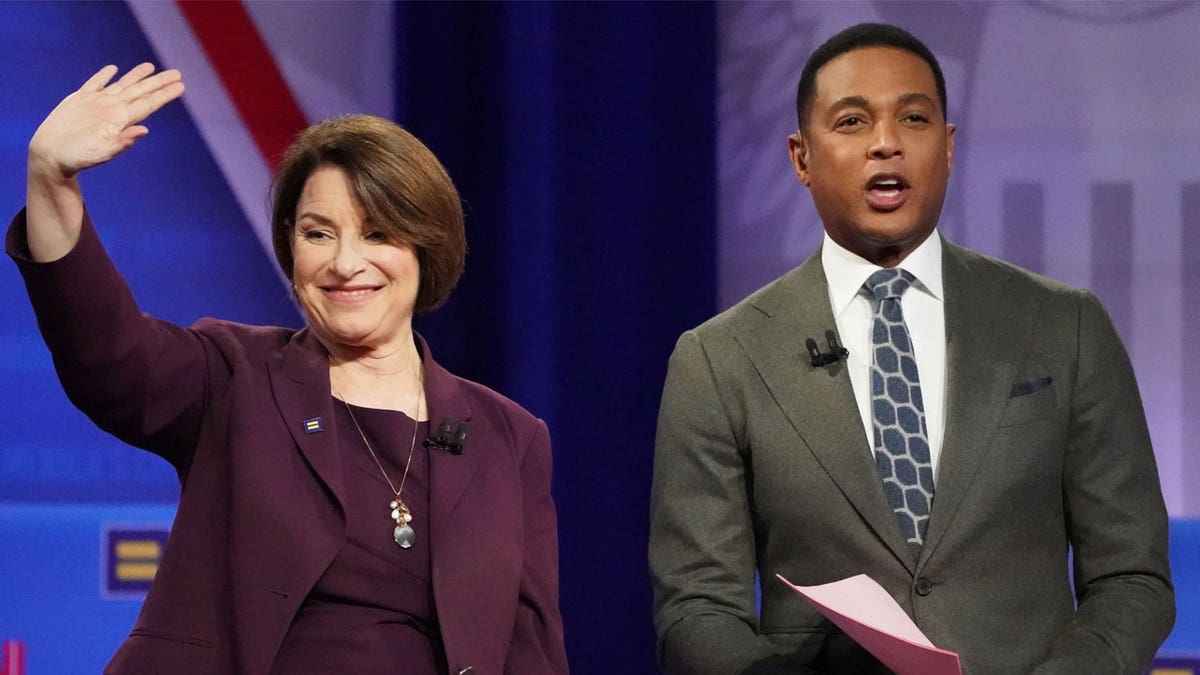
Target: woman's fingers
<point x="132" y="77"/>
<point x="145" y="94"/>
<point x="101" y="120"/>
<point x="147" y="104"/>
<point x="96" y="82"/>
<point x="150" y="85"/>
<point x="133" y="133"/>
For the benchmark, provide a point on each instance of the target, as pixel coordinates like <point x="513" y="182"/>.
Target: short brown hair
<point x="403" y="188"/>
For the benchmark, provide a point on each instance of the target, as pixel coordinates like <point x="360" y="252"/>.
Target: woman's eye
<point x="376" y="236"/>
<point x="314" y="235"/>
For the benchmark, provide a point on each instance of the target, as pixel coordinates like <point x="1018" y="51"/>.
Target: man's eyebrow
<point x="849" y="102"/>
<point x="860" y="102"/>
<point x="915" y="97"/>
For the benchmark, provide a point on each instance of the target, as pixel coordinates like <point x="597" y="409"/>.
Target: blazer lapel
<point x="463" y="605"/>
<point x="300" y="384"/>
<point x="986" y="331"/>
<point x="819" y="402"/>
<point x="449" y="474"/>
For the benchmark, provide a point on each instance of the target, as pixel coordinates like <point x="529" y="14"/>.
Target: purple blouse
<point x="373" y="611"/>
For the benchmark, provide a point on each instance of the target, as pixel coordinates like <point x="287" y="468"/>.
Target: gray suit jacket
<point x="762" y="467"/>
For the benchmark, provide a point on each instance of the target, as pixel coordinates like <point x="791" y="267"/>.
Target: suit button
<point x="923" y="586"/>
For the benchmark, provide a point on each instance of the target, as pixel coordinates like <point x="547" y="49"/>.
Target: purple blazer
<point x="260" y="511"/>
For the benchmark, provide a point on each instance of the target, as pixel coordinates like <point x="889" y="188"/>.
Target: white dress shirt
<point x="924" y="314"/>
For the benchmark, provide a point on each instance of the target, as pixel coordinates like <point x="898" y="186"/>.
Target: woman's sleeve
<point x="537" y="641"/>
<point x="138" y="378"/>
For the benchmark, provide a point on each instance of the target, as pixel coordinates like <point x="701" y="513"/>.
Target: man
<point x="983" y="434"/>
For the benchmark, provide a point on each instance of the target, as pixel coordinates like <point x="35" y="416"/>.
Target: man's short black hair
<point x="858" y="37"/>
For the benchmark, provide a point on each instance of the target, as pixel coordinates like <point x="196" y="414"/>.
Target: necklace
<point x="403" y="534"/>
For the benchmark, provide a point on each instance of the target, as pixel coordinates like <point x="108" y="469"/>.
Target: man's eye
<point x="851" y="121"/>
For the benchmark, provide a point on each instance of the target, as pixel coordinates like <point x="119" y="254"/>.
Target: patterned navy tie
<point x="901" y="441"/>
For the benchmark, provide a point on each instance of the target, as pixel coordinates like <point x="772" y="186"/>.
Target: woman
<point x="323" y="526"/>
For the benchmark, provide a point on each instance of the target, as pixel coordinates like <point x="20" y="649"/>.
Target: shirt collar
<point x="846" y="272"/>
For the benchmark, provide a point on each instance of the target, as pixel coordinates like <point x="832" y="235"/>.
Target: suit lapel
<point x="464" y="605"/>
<point x="818" y="402"/>
<point x="300" y="384"/>
<point x="449" y="474"/>
<point x="986" y="331"/>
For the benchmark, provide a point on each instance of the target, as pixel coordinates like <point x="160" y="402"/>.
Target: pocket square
<point x="1030" y="385"/>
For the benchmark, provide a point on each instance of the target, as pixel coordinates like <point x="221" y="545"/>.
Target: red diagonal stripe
<point x="248" y="70"/>
<point x="14" y="658"/>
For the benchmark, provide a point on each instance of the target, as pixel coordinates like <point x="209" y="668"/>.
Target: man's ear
<point x="950" y="129"/>
<point x="798" y="154"/>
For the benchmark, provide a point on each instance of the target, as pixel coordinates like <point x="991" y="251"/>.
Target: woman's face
<point x="357" y="288"/>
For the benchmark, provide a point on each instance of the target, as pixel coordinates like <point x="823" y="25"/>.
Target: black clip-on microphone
<point x="451" y="436"/>
<point x="821" y="359"/>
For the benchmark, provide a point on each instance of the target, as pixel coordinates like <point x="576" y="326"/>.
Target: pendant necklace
<point x="403" y="534"/>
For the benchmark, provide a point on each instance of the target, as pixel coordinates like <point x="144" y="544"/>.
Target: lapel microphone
<point x="451" y="436"/>
<point x="821" y="359"/>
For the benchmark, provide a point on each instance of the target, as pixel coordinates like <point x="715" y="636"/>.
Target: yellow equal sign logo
<point x="137" y="559"/>
<point x="132" y="556"/>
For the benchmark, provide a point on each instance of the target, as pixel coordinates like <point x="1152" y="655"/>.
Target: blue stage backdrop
<point x="584" y="138"/>
<point x="581" y="137"/>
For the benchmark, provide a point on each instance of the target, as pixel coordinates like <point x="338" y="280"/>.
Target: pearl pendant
<point x="404" y="536"/>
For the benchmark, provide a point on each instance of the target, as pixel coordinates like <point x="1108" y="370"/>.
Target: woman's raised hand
<point x="100" y="120"/>
<point x="89" y="127"/>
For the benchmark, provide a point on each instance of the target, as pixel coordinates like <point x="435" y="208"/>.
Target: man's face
<point x="876" y="152"/>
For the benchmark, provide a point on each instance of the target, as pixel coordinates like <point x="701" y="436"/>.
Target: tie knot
<point x="889" y="283"/>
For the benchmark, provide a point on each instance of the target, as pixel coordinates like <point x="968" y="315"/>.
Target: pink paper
<point x="864" y="611"/>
